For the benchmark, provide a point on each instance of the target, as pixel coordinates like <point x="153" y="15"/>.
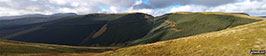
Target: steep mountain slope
<point x="121" y="31"/>
<point x="22" y="48"/>
<point x="91" y="29"/>
<point x="183" y="24"/>
<point x="25" y="22"/>
<point x="236" y="41"/>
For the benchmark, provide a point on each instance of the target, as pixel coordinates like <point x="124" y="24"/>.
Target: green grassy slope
<point x="79" y="30"/>
<point x="183" y="24"/>
<point x="236" y="41"/>
<point x="13" y="47"/>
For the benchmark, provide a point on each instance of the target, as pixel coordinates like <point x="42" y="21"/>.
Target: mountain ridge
<point x="183" y="24"/>
<point x="35" y="15"/>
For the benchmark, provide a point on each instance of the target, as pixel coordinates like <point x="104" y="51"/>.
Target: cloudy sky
<point x="153" y="7"/>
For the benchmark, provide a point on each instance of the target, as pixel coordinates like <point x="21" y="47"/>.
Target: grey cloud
<point x="118" y="3"/>
<point x="92" y="6"/>
<point x="211" y="2"/>
<point x="43" y="5"/>
<point x="86" y="6"/>
<point x="143" y="6"/>
<point x="166" y="3"/>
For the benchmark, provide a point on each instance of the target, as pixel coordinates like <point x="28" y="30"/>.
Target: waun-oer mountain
<point x="126" y="29"/>
<point x="194" y="32"/>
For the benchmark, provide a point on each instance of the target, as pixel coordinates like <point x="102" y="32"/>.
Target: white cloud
<point x="67" y="10"/>
<point x="189" y="8"/>
<point x="9" y="12"/>
<point x="4" y="0"/>
<point x="75" y="4"/>
<point x="166" y="3"/>
<point x="59" y="2"/>
<point x="60" y="6"/>
<point x="34" y="0"/>
<point x="33" y="8"/>
<point x="112" y="9"/>
<point x="248" y="6"/>
<point x="148" y="11"/>
<point x="252" y="7"/>
<point x="138" y="2"/>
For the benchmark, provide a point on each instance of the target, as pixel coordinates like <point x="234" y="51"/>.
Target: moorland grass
<point x="185" y="24"/>
<point x="236" y="41"/>
<point x="14" y="47"/>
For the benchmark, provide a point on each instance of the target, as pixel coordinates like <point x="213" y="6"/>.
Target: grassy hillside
<point x="127" y="28"/>
<point x="183" y="24"/>
<point x="86" y="30"/>
<point x="236" y="41"/>
<point x="121" y="31"/>
<point x="21" y="48"/>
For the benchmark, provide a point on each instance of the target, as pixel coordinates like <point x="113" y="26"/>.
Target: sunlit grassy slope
<point x="17" y="48"/>
<point x="183" y="24"/>
<point x="236" y="41"/>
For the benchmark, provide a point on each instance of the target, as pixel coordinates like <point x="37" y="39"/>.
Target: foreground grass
<point x="54" y="54"/>
<point x="13" y="48"/>
<point x="236" y="41"/>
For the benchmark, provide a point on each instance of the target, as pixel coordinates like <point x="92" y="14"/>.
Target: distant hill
<point x="233" y="41"/>
<point x="183" y="24"/>
<point x="35" y="15"/>
<point x="14" y="48"/>
<point x="31" y="19"/>
<point x="28" y="21"/>
<point x="89" y="30"/>
<point x="21" y="16"/>
<point x="262" y="16"/>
